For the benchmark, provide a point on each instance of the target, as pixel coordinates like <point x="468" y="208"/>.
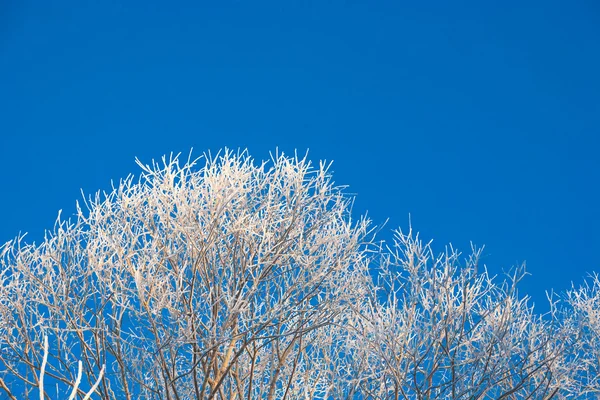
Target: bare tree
<point x="448" y="330"/>
<point x="238" y="280"/>
<point x="580" y="309"/>
<point x="188" y="283"/>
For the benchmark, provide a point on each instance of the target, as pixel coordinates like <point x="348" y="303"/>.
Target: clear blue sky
<point x="480" y="119"/>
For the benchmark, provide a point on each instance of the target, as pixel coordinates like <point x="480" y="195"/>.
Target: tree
<point x="446" y="330"/>
<point x="238" y="280"/>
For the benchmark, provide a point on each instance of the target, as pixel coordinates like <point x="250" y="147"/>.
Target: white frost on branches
<point x="223" y="278"/>
<point x="77" y="380"/>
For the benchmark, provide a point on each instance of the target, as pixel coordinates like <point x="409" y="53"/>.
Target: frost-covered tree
<point x="223" y="278"/>
<point x="447" y="330"/>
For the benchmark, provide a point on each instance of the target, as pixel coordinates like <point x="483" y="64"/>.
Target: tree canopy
<point x="224" y="278"/>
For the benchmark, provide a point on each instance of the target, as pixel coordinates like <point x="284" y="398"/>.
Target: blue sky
<point x="480" y="119"/>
